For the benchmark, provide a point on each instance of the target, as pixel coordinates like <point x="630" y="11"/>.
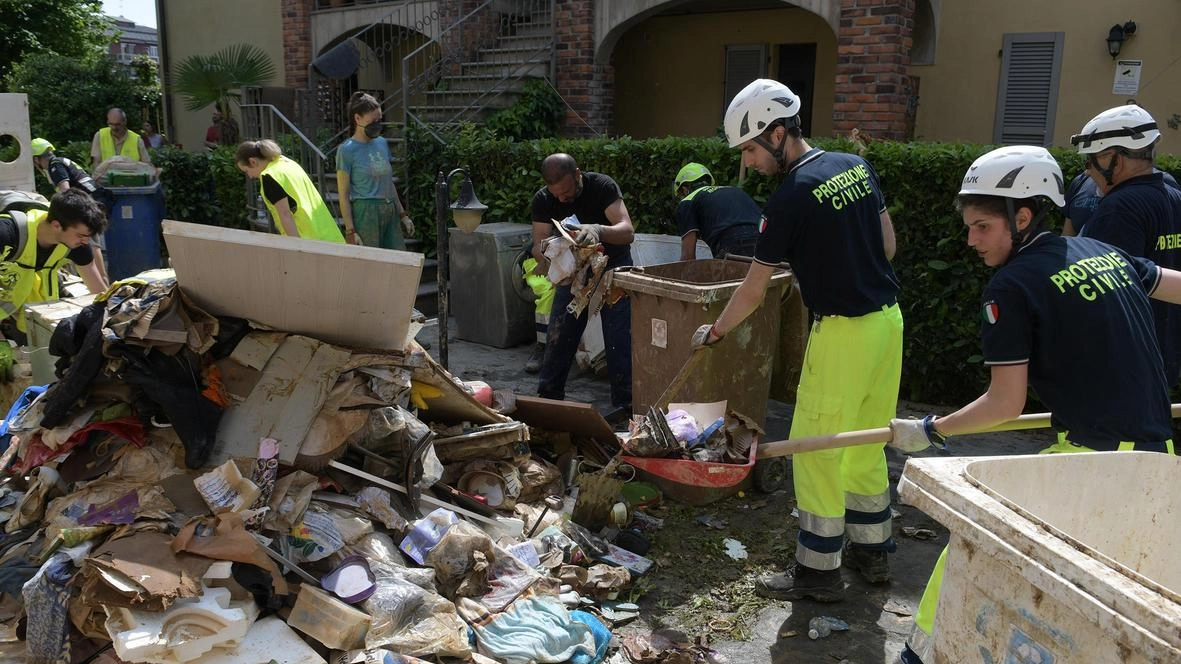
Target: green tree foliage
<point x="69" y="97"/>
<point x="71" y="28"/>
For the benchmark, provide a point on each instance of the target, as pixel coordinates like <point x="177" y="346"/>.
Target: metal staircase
<point x="468" y="71"/>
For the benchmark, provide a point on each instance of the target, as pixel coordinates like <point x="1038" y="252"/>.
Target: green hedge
<point x="941" y="278"/>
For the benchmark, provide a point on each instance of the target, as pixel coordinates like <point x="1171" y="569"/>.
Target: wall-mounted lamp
<point x="1117" y="35"/>
<point x="468" y="211"/>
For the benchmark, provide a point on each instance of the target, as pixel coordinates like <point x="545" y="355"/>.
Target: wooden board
<point x="14" y="122"/>
<point x="573" y="417"/>
<point x="339" y="293"/>
<point x="287" y="398"/>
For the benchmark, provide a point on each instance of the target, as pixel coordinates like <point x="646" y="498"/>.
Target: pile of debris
<point x="195" y="489"/>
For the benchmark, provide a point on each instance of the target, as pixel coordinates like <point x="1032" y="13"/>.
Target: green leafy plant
<point x="537" y="113"/>
<point x="70" y="28"/>
<point x="218" y="79"/>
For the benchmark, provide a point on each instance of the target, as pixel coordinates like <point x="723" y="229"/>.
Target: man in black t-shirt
<point x="1105" y="388"/>
<point x="828" y="219"/>
<point x="595" y="200"/>
<point x="725" y="217"/>
<point x="1138" y="212"/>
<point x="1083" y="196"/>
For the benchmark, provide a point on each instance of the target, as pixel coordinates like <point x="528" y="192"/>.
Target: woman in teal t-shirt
<point x="369" y="201"/>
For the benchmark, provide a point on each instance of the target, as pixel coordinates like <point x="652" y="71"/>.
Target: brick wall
<point x="297" y="41"/>
<point x="587" y="87"/>
<point x="873" y="52"/>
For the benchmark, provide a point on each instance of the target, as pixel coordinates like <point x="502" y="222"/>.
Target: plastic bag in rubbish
<point x="683" y="425"/>
<point x="410" y="618"/>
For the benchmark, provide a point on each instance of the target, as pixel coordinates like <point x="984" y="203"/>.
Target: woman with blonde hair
<point x="288" y="192"/>
<point x="369" y="201"/>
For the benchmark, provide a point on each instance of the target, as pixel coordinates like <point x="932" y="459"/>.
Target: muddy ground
<point x="696" y="588"/>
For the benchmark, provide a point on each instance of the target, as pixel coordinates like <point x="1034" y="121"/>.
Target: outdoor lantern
<point x="468" y="211"/>
<point x="1117" y="35"/>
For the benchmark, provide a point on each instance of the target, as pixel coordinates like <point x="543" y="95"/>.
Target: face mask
<point x="373" y="130"/>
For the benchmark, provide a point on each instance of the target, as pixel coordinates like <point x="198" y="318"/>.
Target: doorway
<point x="797" y="70"/>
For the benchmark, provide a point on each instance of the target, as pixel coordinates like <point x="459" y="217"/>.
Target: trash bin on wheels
<point x="669" y="302"/>
<point x="133" y="231"/>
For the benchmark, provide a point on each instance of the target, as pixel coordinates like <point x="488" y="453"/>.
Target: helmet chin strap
<point x="1106" y="172"/>
<point x="1021" y="238"/>
<point x="779" y="152"/>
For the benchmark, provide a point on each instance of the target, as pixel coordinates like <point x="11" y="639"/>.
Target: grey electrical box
<point x="489" y="298"/>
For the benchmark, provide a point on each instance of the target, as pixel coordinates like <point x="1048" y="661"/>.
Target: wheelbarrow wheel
<point x="770" y="475"/>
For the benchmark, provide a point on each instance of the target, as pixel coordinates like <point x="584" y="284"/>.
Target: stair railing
<point x="437" y="59"/>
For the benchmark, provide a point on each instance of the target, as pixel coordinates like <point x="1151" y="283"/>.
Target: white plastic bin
<point x="1057" y="558"/>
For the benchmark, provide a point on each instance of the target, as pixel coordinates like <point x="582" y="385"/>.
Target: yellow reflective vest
<point x="106" y="145"/>
<point x="312" y="218"/>
<point x="20" y="280"/>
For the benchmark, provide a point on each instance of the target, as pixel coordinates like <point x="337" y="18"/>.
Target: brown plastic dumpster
<point x="669" y="302"/>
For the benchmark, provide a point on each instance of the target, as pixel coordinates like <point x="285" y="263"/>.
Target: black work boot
<point x="871" y="565"/>
<point x="800" y="582"/>
<point x="533" y="364"/>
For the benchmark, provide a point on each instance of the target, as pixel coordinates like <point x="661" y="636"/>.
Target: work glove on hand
<point x="408" y="226"/>
<point x="911" y="435"/>
<point x="588" y="235"/>
<point x="704" y="337"/>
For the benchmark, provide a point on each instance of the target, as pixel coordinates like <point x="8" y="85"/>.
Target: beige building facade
<point x="1003" y="71"/>
<point x="202" y="27"/>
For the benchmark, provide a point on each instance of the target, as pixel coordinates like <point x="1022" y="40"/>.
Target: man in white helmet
<point x="1138" y="211"/>
<point x="828" y="219"/>
<point x="1046" y="290"/>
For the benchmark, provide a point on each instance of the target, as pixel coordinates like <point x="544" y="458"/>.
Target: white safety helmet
<point x="753" y="109"/>
<point x="1016" y="171"/>
<point x="1129" y="127"/>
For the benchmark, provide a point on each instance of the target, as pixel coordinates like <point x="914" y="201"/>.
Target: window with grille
<point x="1028" y="92"/>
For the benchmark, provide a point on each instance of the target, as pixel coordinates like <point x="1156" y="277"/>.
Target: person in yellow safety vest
<point x="1032" y="309"/>
<point x="288" y="192"/>
<point x="117" y="139"/>
<point x="543" y="289"/>
<point x="35" y="243"/>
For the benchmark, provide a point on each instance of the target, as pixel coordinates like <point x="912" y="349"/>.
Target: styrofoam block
<point x="188" y="629"/>
<point x="269" y="640"/>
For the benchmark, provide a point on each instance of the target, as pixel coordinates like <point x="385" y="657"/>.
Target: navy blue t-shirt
<point x="1082" y="197"/>
<point x="1104" y="386"/>
<point x="825" y="220"/>
<point x="717" y="214"/>
<point x="1142" y="216"/>
<point x="599" y="192"/>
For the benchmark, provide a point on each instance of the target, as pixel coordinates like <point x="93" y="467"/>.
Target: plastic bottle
<point x="821" y="626"/>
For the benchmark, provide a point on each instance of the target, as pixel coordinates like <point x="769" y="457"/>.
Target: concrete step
<point x="543" y="41"/>
<point x="427" y="298"/>
<point x="515" y="55"/>
<point x="447" y="115"/>
<point x="494" y="98"/>
<point x="481" y="83"/>
<point x="535" y="69"/>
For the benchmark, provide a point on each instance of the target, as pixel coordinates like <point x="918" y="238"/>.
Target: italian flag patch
<point x="762" y="225"/>
<point x="991" y="312"/>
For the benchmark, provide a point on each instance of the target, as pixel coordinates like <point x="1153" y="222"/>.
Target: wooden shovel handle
<point x="883" y="435"/>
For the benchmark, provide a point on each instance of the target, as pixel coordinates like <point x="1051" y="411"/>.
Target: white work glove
<point x="911" y="435"/>
<point x="704" y="337"/>
<point x="588" y="235"/>
<point x="408" y="226"/>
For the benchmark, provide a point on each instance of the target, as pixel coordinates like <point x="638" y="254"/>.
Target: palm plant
<point x="218" y="79"/>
